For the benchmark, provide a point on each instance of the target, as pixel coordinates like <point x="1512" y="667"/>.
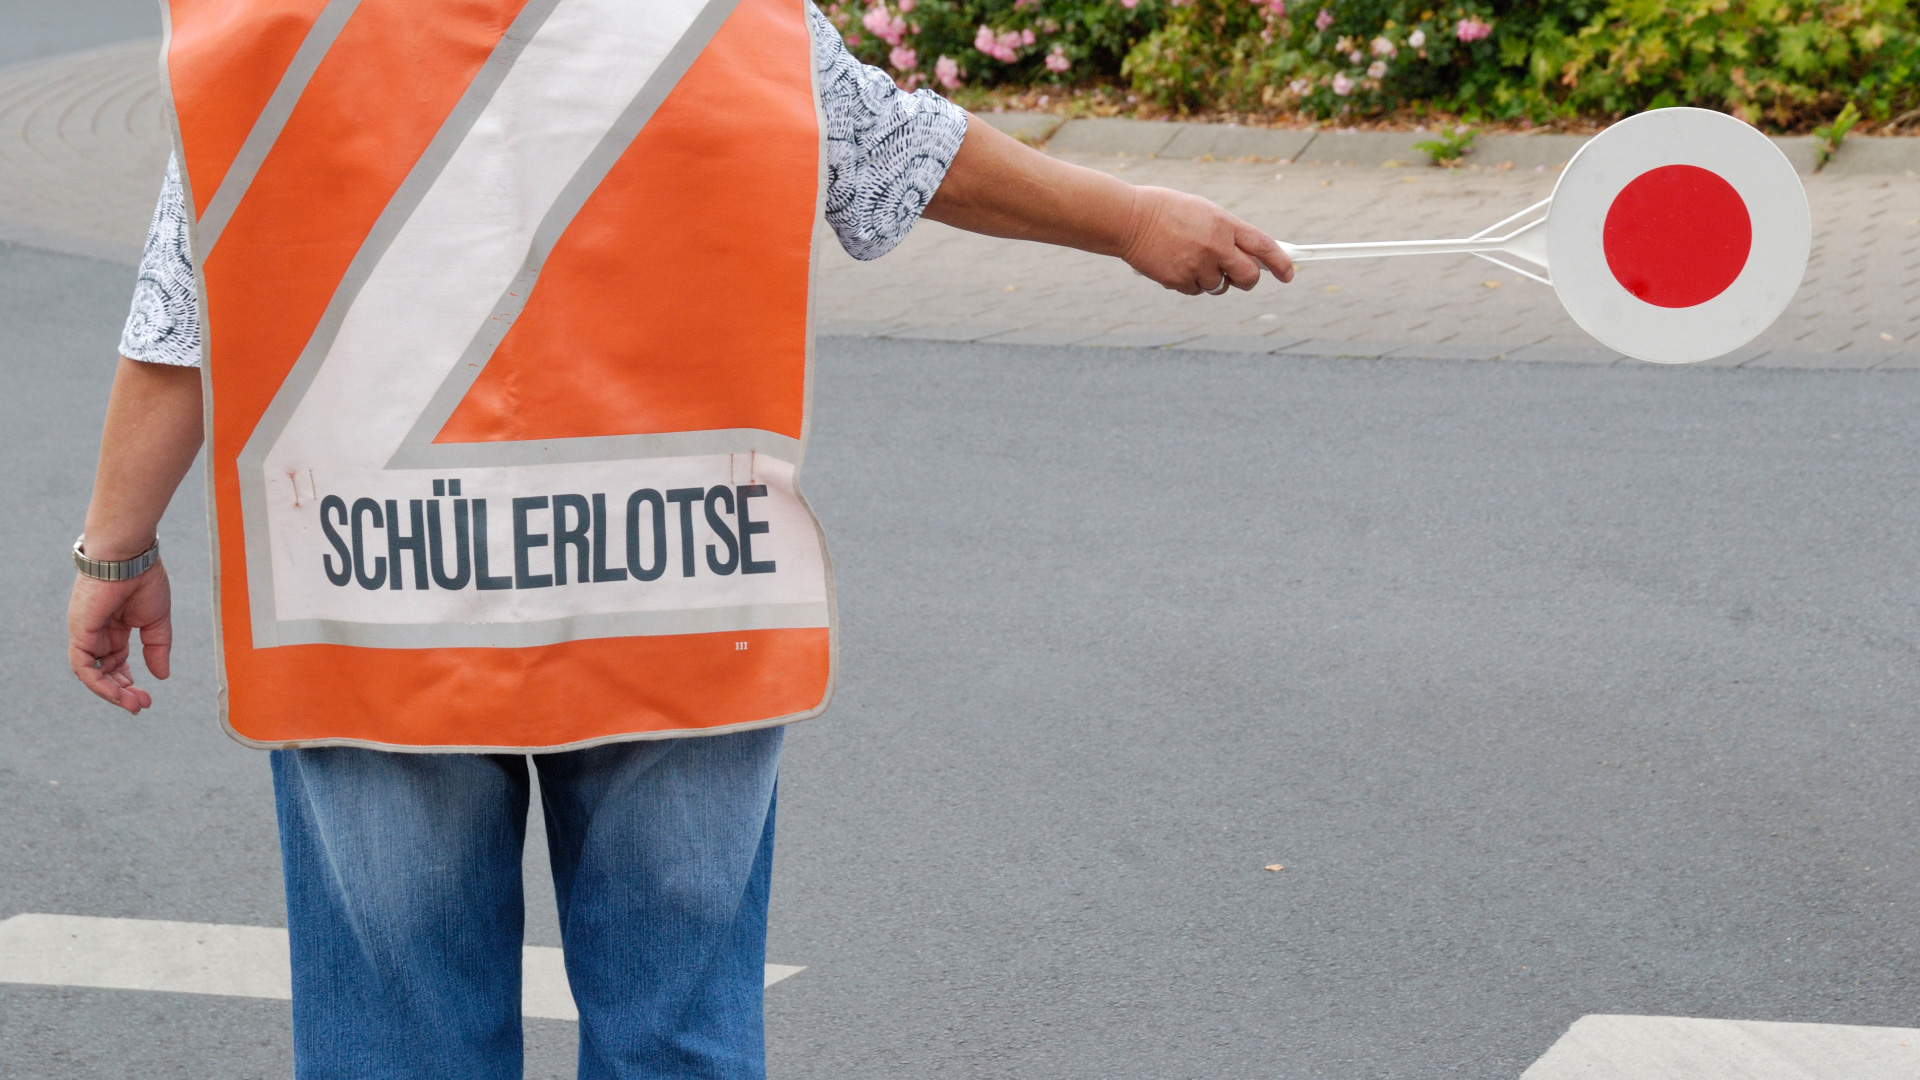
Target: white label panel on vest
<point x="669" y="545"/>
<point x="341" y="494"/>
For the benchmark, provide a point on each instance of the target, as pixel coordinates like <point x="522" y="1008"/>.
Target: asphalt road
<point x="1557" y="690"/>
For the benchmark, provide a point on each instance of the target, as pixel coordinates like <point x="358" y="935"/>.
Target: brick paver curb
<point x="1859" y="155"/>
<point x="1247" y="344"/>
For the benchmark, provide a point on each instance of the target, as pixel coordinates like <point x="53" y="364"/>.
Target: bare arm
<point x="152" y="434"/>
<point x="1000" y="187"/>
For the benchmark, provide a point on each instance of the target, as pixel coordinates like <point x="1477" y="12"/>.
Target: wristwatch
<point x="115" y="569"/>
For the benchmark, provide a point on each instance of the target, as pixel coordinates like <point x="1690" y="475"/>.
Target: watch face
<point x="1678" y="235"/>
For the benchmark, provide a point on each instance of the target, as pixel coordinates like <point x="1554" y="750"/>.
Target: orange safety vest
<point x="508" y="365"/>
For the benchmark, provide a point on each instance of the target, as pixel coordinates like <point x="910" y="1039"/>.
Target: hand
<point x="1189" y="244"/>
<point x="101" y="618"/>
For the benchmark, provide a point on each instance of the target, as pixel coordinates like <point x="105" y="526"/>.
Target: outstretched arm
<point x="1000" y="187"/>
<point x="151" y="436"/>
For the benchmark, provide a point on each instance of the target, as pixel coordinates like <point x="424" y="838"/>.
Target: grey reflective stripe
<point x="553" y="631"/>
<point x="418" y="449"/>
<point x="267" y="126"/>
<point x="405" y="199"/>
<point x="597" y="448"/>
<point x="544" y="748"/>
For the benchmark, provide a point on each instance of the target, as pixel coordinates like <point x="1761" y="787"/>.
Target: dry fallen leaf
<point x="1491" y="284"/>
<point x="1276" y="867"/>
<point x="1886" y="337"/>
<point x="1012" y="288"/>
<point x="1333" y="288"/>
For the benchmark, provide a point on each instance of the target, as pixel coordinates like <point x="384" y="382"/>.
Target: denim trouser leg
<point x="662" y="857"/>
<point x="404" y="906"/>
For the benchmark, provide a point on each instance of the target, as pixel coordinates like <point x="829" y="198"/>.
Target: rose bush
<point x="1785" y="63"/>
<point x="1782" y="62"/>
<point x="955" y="43"/>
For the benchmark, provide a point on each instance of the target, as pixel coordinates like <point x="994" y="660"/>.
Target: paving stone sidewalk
<point x="82" y="144"/>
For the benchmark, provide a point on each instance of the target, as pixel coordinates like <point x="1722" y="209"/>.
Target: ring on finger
<point x="1225" y="283"/>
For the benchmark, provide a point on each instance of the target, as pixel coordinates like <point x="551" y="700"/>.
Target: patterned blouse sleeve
<point x="164" y="325"/>
<point x="887" y="150"/>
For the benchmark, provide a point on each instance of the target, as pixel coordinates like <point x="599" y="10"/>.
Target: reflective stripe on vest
<point x="508" y="360"/>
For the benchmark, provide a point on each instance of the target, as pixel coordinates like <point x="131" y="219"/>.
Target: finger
<point x="102" y="683"/>
<point x="1266" y="249"/>
<point x="109" y="660"/>
<point x="1241" y="269"/>
<point x="156" y="646"/>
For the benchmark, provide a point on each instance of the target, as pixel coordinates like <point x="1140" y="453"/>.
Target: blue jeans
<point x="405" y="913"/>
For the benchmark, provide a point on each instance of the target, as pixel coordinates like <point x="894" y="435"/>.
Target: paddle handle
<point x="1311" y="252"/>
<point x="1527" y="242"/>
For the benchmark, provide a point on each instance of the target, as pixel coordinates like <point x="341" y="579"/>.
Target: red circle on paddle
<point x="1677" y="236"/>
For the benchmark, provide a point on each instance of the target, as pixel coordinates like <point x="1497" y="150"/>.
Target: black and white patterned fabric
<point x="887" y="151"/>
<point x="164" y="326"/>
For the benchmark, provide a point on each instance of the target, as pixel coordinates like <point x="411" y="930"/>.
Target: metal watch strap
<point x="115" y="569"/>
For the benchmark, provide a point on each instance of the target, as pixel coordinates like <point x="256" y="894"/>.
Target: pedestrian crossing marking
<point x="1604" y="1047"/>
<point x="213" y="958"/>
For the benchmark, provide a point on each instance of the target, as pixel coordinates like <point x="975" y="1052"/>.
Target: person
<point x="402" y="868"/>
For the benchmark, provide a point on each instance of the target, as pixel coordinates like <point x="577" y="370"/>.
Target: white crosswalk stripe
<point x="1683" y="1048"/>
<point x="251" y="961"/>
<point x="211" y="958"/>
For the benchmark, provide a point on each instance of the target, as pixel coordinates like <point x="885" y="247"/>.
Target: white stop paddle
<point x="1674" y="236"/>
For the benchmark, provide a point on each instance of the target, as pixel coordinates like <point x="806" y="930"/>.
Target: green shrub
<point x="1787" y="63"/>
<point x="1781" y="61"/>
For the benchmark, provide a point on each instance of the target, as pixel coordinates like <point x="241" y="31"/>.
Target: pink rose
<point x="1382" y="47"/>
<point x="1342" y="85"/>
<point x="1417" y="39"/>
<point x="1057" y="60"/>
<point x="902" y="58"/>
<point x="984" y="40"/>
<point x="887" y="28"/>
<point x="1323" y="20"/>
<point x="1472" y="29"/>
<point x="1377" y="69"/>
<point x="1354" y="57"/>
<point x="947" y="72"/>
<point x="1129" y="3"/>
